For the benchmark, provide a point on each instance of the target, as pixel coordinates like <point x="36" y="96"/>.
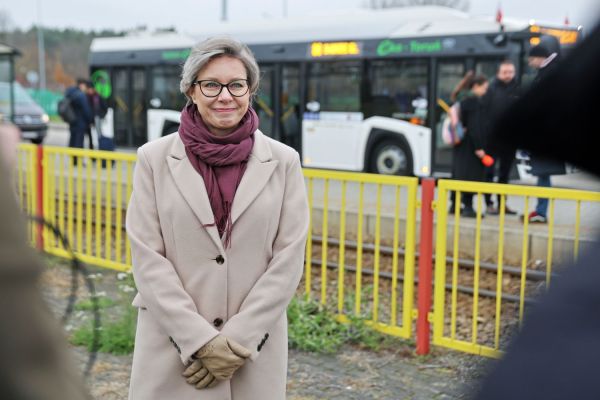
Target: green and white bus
<point x="356" y="91"/>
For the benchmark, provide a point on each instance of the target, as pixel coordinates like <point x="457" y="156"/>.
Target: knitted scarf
<point x="221" y="161"/>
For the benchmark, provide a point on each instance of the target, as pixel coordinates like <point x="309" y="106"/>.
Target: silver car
<point x="29" y="116"/>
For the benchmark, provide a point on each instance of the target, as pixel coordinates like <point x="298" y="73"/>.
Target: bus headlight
<point x="425" y="170"/>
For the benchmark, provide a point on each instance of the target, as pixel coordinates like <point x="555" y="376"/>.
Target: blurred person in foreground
<point x="218" y="221"/>
<point x="555" y="354"/>
<point x="544" y="57"/>
<point x="467" y="155"/>
<point x="503" y="91"/>
<point x="33" y="354"/>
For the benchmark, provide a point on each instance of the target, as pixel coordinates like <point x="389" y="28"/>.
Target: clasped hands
<point x="216" y="361"/>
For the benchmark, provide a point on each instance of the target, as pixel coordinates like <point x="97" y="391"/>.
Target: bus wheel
<point x="391" y="158"/>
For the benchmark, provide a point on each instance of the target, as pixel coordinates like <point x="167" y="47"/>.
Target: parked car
<point x="29" y="116"/>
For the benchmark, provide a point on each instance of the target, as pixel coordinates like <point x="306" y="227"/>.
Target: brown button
<point x="220" y="260"/>
<point x="218" y="322"/>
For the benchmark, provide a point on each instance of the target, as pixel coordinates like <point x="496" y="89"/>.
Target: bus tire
<point x="391" y="157"/>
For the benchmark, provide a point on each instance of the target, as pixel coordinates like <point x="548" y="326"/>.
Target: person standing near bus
<point x="544" y="58"/>
<point x="468" y="153"/>
<point x="99" y="108"/>
<point x="83" y="113"/>
<point x="503" y="91"/>
<point x="217" y="221"/>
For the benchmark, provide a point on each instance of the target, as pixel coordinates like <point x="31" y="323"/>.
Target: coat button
<point x="220" y="260"/>
<point x="218" y="322"/>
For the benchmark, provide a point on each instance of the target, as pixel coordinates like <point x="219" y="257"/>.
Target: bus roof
<point x="354" y="24"/>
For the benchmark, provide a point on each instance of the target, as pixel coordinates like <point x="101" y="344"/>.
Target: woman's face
<point x="222" y="113"/>
<point x="480" y="90"/>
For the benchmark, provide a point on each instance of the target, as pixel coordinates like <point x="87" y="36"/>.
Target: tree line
<point x="66" y="51"/>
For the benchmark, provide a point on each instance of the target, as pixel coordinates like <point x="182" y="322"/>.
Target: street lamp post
<point x="224" y="10"/>
<point x="41" y="50"/>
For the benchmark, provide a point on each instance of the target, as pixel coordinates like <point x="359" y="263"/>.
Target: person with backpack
<point x="81" y="114"/>
<point x="469" y="152"/>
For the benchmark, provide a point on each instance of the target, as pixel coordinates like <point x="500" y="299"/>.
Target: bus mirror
<point x="155" y="102"/>
<point x="499" y="40"/>
<point x="313" y="106"/>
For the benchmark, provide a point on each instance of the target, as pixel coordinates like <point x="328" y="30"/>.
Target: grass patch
<point x="115" y="337"/>
<point x="313" y="327"/>
<point x="87" y="305"/>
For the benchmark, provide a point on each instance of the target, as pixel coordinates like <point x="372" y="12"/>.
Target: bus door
<point x="448" y="75"/>
<point x="129" y="100"/>
<point x="264" y="101"/>
<point x="289" y="111"/>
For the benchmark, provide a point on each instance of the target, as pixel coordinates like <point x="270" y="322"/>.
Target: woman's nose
<point x="225" y="95"/>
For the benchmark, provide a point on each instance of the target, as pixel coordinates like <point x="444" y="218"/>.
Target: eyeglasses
<point x="236" y="88"/>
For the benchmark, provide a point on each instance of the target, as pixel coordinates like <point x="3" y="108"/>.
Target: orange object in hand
<point x="487" y="160"/>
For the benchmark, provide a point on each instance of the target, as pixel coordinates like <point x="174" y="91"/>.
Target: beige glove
<point x="222" y="357"/>
<point x="199" y="376"/>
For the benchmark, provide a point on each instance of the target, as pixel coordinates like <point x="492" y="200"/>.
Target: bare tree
<point x="458" y="4"/>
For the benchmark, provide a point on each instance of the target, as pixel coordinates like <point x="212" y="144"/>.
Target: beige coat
<point x="191" y="288"/>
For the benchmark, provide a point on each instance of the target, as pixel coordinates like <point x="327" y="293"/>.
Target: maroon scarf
<point x="221" y="161"/>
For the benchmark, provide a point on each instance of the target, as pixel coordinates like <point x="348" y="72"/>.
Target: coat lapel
<point x="191" y="186"/>
<point x="258" y="171"/>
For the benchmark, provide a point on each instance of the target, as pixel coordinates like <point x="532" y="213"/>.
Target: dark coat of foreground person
<point x="557" y="352"/>
<point x="34" y="362"/>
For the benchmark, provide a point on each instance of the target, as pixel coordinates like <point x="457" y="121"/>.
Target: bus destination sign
<point x="328" y="49"/>
<point x="389" y="47"/>
<point x="565" y="36"/>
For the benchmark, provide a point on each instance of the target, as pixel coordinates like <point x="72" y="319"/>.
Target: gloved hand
<point x="222" y="357"/>
<point x="198" y="375"/>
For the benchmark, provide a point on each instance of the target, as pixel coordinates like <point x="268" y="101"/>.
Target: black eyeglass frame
<point x="199" y="83"/>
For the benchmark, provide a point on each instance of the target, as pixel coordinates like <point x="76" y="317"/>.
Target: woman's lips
<point x="224" y="110"/>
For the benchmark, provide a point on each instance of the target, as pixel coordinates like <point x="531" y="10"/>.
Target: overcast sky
<point x="186" y="15"/>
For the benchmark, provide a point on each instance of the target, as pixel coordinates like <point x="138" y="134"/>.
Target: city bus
<point x="361" y="90"/>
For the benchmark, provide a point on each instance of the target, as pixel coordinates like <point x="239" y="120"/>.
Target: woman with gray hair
<point x="217" y="222"/>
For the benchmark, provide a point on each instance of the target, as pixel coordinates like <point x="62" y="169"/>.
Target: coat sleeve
<point x="270" y="296"/>
<point x="156" y="279"/>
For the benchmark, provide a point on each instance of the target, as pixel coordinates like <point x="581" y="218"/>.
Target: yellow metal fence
<point x="26" y="182"/>
<point x="354" y="275"/>
<point x="477" y="305"/>
<point x="85" y="197"/>
<point x="360" y="253"/>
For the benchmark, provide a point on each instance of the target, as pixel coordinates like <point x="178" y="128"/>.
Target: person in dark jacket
<point x="503" y="91"/>
<point x="82" y="110"/>
<point x="555" y="354"/>
<point x="468" y="153"/>
<point x="543" y="57"/>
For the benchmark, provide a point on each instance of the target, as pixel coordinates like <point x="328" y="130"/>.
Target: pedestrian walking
<point x="503" y="91"/>
<point x="82" y="112"/>
<point x="468" y="153"/>
<point x="217" y="221"/>
<point x="544" y="58"/>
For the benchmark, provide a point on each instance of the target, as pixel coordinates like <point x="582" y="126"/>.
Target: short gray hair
<point x="203" y="52"/>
